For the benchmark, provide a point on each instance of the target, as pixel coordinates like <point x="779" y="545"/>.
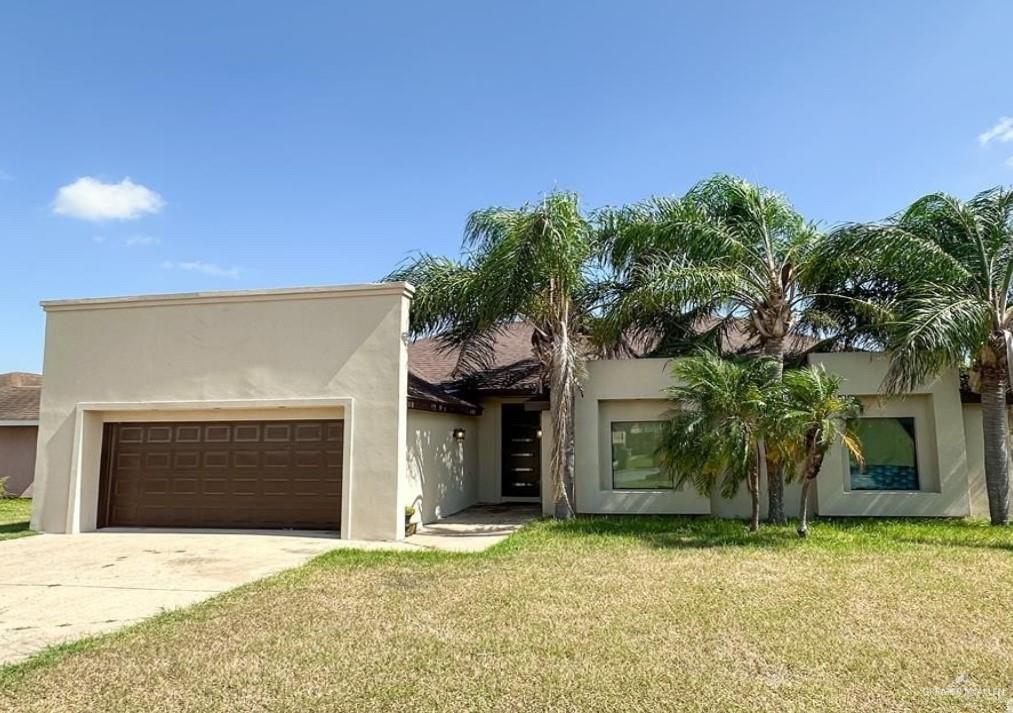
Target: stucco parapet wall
<point x="402" y="289"/>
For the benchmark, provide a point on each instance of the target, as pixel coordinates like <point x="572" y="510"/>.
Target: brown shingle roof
<point x="512" y="369"/>
<point x="430" y="361"/>
<point x="19" y="396"/>
<point x="434" y="397"/>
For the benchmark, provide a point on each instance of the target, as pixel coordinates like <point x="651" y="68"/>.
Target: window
<point x="634" y="464"/>
<point x="888" y="446"/>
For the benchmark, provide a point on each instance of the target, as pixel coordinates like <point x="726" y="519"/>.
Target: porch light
<point x="458" y="434"/>
<point x="539" y="434"/>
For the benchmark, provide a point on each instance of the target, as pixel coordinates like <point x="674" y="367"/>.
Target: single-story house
<point x="19" y="430"/>
<point x="311" y="408"/>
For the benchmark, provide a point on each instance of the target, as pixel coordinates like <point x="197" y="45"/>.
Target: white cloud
<point x="98" y="238"/>
<point x="89" y="198"/>
<point x="1001" y="132"/>
<point x="208" y="268"/>
<point x="133" y="240"/>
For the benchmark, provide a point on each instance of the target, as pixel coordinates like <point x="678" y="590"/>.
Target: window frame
<point x="671" y="487"/>
<point x="848" y="458"/>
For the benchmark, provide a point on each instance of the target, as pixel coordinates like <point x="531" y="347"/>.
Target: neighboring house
<point x="19" y="430"/>
<point x="308" y="408"/>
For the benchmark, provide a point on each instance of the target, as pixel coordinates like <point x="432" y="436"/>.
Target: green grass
<point x="15" y="514"/>
<point x="599" y="614"/>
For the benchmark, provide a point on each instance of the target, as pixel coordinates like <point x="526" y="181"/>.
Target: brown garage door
<point x="250" y="474"/>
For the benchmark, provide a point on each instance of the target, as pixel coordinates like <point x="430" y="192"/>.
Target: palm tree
<point x="949" y="265"/>
<point x="532" y="263"/>
<point x="812" y="416"/>
<point x="728" y="249"/>
<point x="717" y="421"/>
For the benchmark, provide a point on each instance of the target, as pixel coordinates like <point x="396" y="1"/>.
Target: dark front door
<point x="247" y="474"/>
<point x="522" y="452"/>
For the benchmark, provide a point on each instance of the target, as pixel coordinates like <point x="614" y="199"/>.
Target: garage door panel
<point x="217" y="433"/>
<point x="128" y="461"/>
<point x="277" y="459"/>
<point x="186" y="460"/>
<point x="131" y="434"/>
<point x="252" y="474"/>
<point x="247" y="433"/>
<point x="188" y="434"/>
<point x="159" y="434"/>
<point x="278" y="432"/>
<point x="246" y="459"/>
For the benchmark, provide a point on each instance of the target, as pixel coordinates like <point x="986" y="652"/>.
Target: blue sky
<point x="279" y="144"/>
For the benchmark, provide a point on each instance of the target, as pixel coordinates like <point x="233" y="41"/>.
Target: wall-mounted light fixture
<point x="458" y="434"/>
<point x="539" y="434"/>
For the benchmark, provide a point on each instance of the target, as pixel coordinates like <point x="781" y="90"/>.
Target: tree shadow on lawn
<point x="676" y="531"/>
<point x="704" y="531"/>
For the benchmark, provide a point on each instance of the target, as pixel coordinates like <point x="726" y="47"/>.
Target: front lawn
<point x="15" y="514"/>
<point x="601" y="614"/>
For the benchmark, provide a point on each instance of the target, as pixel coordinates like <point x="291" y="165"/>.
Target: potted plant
<point x="409" y="525"/>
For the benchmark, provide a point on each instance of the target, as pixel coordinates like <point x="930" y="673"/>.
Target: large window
<point x="634" y="463"/>
<point x="888" y="447"/>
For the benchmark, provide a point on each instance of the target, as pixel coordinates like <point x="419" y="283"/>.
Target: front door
<point x="522" y="452"/>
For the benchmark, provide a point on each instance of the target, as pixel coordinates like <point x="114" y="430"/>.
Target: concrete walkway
<point x="57" y="588"/>
<point x="475" y="529"/>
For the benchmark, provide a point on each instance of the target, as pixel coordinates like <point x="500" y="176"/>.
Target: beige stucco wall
<point x="622" y="390"/>
<point x="975" y="439"/>
<point x="548" y="497"/>
<point x="442" y="473"/>
<point x="634" y="390"/>
<point x="939" y="438"/>
<point x="17" y="457"/>
<point x="330" y="352"/>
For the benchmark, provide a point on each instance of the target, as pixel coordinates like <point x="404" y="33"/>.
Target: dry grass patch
<point x="639" y="614"/>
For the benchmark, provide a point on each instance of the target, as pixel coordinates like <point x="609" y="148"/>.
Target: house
<point x="19" y="429"/>
<point x="308" y="408"/>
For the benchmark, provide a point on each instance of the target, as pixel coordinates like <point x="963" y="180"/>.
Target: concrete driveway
<point x="56" y="588"/>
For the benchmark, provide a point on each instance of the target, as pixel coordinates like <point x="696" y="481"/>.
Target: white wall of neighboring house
<point x="17" y="456"/>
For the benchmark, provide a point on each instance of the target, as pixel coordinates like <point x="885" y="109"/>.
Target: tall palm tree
<point x="812" y="416"/>
<point x="727" y="249"/>
<point x="949" y="265"/>
<point x="719" y="413"/>
<point x="532" y="263"/>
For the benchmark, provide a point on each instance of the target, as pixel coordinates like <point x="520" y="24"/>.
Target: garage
<point x="222" y="474"/>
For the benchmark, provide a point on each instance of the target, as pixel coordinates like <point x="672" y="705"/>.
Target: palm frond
<point x="711" y="437"/>
<point x="935" y="327"/>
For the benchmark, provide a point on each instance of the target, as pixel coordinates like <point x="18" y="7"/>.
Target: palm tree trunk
<point x="810" y="469"/>
<point x="773" y="347"/>
<point x="996" y="433"/>
<point x="561" y="402"/>
<point x="803" y="509"/>
<point x="754" y="494"/>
